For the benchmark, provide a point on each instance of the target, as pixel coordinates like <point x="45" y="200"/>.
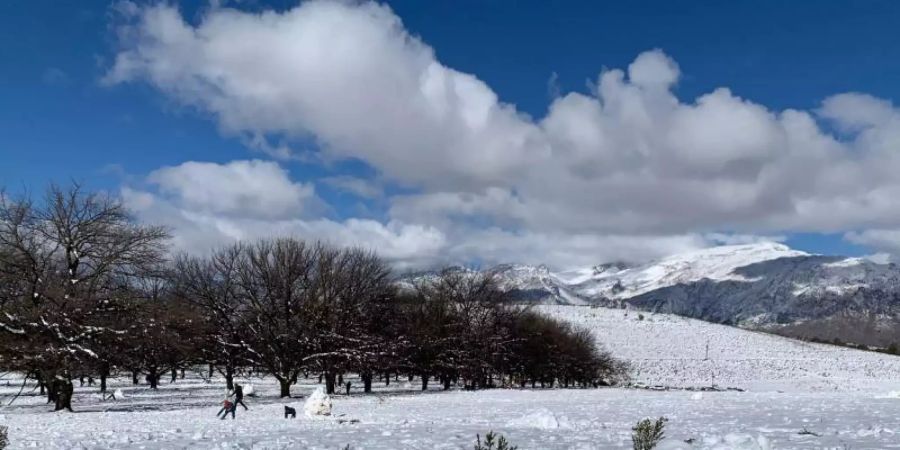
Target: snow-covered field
<point x="799" y="396"/>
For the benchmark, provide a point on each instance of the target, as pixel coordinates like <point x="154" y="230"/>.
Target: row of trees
<point x="87" y="291"/>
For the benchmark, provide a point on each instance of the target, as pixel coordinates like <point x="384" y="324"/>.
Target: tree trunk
<point x="104" y="372"/>
<point x="367" y="383"/>
<point x="341" y="379"/>
<point x="52" y="394"/>
<point x="424" y="382"/>
<point x="174" y="375"/>
<point x="64" y="390"/>
<point x="152" y="377"/>
<point x="134" y="377"/>
<point x="285" y="385"/>
<point x="182" y="373"/>
<point x="446" y="383"/>
<point x="387" y="379"/>
<point x="210" y="371"/>
<point x="329" y="383"/>
<point x="229" y="377"/>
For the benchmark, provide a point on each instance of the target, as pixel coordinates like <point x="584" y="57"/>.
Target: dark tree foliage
<point x="461" y="328"/>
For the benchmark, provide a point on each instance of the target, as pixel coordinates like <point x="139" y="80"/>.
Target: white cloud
<point x="887" y="241"/>
<point x="856" y="111"/>
<point x="257" y="189"/>
<point x="200" y="229"/>
<point x="624" y="162"/>
<point x="737" y="239"/>
<point x="654" y="70"/>
<point x="359" y="187"/>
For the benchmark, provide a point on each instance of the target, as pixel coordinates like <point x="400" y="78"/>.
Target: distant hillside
<point x="766" y="286"/>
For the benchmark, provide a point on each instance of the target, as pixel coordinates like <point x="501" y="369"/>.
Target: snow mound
<point x="318" y="404"/>
<point x="542" y="419"/>
<point x="248" y="390"/>
<point x="118" y="394"/>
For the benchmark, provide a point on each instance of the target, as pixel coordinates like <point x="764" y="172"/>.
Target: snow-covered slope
<point x="671" y="350"/>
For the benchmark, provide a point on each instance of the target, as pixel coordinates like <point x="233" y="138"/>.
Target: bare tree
<point x="275" y="279"/>
<point x="69" y="262"/>
<point x="348" y="309"/>
<point x="212" y="285"/>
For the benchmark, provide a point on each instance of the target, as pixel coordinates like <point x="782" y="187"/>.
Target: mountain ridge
<point x="765" y="285"/>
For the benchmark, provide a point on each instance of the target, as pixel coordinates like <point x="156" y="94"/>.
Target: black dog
<point x="288" y="411"/>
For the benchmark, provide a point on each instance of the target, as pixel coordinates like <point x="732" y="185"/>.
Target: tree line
<point x="87" y="291"/>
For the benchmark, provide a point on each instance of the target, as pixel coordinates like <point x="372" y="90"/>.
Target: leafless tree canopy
<point x="68" y="267"/>
<point x="87" y="291"/>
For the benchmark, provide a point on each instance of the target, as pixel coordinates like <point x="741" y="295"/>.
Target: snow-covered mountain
<point x="762" y="285"/>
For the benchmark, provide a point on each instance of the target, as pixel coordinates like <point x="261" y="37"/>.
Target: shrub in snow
<point x="647" y="433"/>
<point x="4" y="437"/>
<point x="318" y="404"/>
<point x="493" y="442"/>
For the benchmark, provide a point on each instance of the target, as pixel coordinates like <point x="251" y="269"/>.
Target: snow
<point x="734" y="441"/>
<point x="847" y="262"/>
<point x="317" y="404"/>
<point x="183" y="416"/>
<point x="797" y="395"/>
<point x="670" y="350"/>
<point x="716" y="263"/>
<point x="542" y="419"/>
<point x="618" y="281"/>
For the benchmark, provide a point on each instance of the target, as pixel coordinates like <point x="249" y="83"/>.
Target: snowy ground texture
<point x="798" y="396"/>
<point x="670" y="350"/>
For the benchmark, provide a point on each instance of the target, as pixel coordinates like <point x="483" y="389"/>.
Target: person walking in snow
<point x="227" y="407"/>
<point x="239" y="396"/>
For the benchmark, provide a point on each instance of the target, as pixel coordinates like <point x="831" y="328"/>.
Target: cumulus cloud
<point x="408" y="246"/>
<point x="629" y="162"/>
<point x="248" y="200"/>
<point x="254" y="189"/>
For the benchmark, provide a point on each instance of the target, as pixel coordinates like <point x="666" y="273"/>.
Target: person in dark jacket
<point x="239" y="396"/>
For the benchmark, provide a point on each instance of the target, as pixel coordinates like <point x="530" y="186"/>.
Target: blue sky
<point x="61" y="120"/>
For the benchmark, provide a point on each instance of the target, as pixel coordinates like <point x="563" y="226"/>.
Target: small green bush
<point x="647" y="433"/>
<point x="493" y="442"/>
